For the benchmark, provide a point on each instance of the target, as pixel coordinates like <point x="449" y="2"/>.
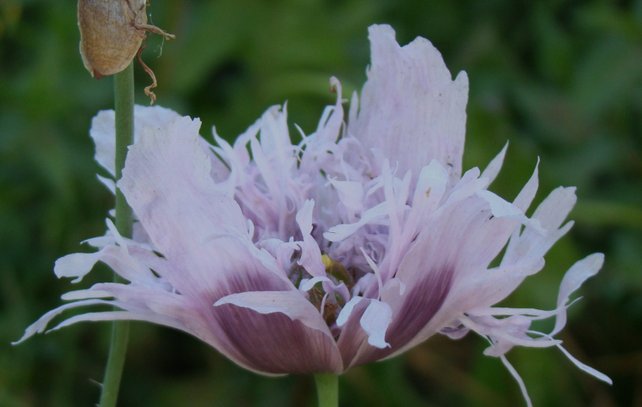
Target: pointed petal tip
<point x="598" y="258"/>
<point x="24" y="337"/>
<point x="462" y="79"/>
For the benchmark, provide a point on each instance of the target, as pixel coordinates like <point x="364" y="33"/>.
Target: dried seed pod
<point x="111" y="33"/>
<point x="109" y="38"/>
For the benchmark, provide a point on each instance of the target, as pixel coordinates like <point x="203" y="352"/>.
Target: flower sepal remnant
<point x="353" y="245"/>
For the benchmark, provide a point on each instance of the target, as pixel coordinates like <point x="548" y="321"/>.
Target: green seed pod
<point x="111" y="32"/>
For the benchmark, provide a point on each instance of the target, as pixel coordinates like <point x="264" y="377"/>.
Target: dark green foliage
<point x="559" y="80"/>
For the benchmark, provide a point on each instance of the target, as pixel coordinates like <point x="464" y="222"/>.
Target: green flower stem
<point x="124" y="104"/>
<point x="327" y="389"/>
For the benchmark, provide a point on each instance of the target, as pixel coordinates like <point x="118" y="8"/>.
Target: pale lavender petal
<point x="308" y="284"/>
<point x="353" y="340"/>
<point x="41" y="324"/>
<point x="532" y="243"/>
<point x="310" y="258"/>
<point x="440" y="244"/>
<point x="492" y="170"/>
<point x="85" y="294"/>
<point x="454" y="330"/>
<point x="104" y="135"/>
<point x="482" y="244"/>
<point x="520" y="382"/>
<point x="100" y="241"/>
<point x="483" y="289"/>
<point x="429" y="193"/>
<point x="233" y="159"/>
<point x="506" y="311"/>
<point x="343" y="231"/>
<point x="350" y="193"/>
<point x="112" y="316"/>
<point x="273" y="176"/>
<point x="304" y="217"/>
<point x="275" y="138"/>
<point x="526" y="195"/>
<point x="431" y="186"/>
<point x="347" y="310"/>
<point x="171" y="166"/>
<point x="586" y="368"/>
<point x="506" y="333"/>
<point x="501" y="208"/>
<point x="321" y="146"/>
<point x="130" y="260"/>
<point x="202" y="232"/>
<point x="375" y="322"/>
<point x="331" y="122"/>
<point x="109" y="183"/>
<point x="76" y="265"/>
<point x="469" y="185"/>
<point x="573" y="279"/>
<point x="410" y="100"/>
<point x="556" y="207"/>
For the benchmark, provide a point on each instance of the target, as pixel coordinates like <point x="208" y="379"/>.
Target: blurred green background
<point x="559" y="80"/>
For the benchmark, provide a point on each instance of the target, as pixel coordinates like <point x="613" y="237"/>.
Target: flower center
<point x="337" y="270"/>
<point x="330" y="303"/>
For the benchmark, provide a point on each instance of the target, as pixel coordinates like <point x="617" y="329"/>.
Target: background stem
<point x="327" y="389"/>
<point x="124" y="105"/>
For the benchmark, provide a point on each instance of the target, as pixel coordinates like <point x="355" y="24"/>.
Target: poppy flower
<point x="358" y="242"/>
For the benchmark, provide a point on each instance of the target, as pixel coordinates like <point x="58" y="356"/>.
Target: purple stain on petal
<point x="419" y="305"/>
<point x="274" y="343"/>
<point x="248" y="280"/>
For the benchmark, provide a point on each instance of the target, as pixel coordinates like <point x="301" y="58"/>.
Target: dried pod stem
<point x="148" y="89"/>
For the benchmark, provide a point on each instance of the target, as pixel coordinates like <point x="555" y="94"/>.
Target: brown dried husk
<point x="109" y="34"/>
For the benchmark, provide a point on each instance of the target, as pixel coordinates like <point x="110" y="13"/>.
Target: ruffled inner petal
<point x="411" y="100"/>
